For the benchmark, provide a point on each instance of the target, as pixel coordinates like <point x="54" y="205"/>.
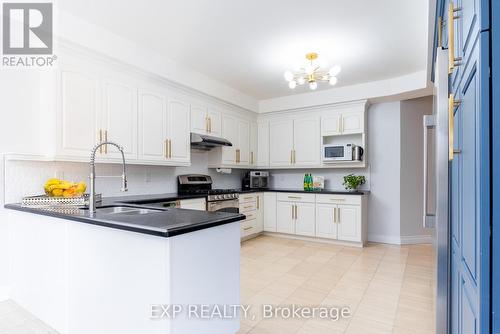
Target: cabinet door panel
<point x="349" y="226"/>
<point x="270" y="212"/>
<point x="263" y="144"/>
<point x="198" y="119"/>
<point x="284" y="221"/>
<point x="353" y="122"/>
<point x="152" y="125"/>
<point x="244" y="142"/>
<point x="306" y="141"/>
<point x="78" y="111"/>
<point x="281" y="142"/>
<point x="120" y="118"/>
<point x="259" y="220"/>
<point x="305" y="219"/>
<point x="215" y="122"/>
<point x="330" y="125"/>
<point x="230" y="132"/>
<point x="178" y="133"/>
<point x="253" y="144"/>
<point x="326" y="226"/>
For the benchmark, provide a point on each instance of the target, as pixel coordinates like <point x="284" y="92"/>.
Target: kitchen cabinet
<point x="281" y="143"/>
<point x="306" y="142"/>
<point x="305" y="219"/>
<point x="253" y="144"/>
<point x="259" y="221"/>
<point x="163" y="128"/>
<point x="270" y="212"/>
<point x="349" y="222"/>
<point x="285" y="217"/>
<point x="119" y="118"/>
<point x="152" y="125"/>
<point x="237" y="131"/>
<point x="343" y="123"/>
<point x="263" y="144"/>
<point x="205" y="120"/>
<point x="294" y="142"/>
<point x="193" y="204"/>
<point x="251" y="207"/>
<point x="243" y="143"/>
<point x="214" y="122"/>
<point x="326" y="221"/>
<point x="77" y="112"/>
<point x="178" y="135"/>
<point x="230" y="132"/>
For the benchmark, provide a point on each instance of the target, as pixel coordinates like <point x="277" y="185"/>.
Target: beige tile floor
<point x="389" y="289"/>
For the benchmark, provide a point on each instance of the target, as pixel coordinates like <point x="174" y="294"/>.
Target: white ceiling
<point x="249" y="44"/>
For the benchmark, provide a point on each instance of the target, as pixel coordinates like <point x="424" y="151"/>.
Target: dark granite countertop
<point x="329" y="192"/>
<point x="166" y="222"/>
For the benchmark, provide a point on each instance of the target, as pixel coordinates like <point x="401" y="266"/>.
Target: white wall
<point x="412" y="112"/>
<point x="27" y="177"/>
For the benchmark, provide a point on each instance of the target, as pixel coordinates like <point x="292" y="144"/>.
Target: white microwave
<point x="337" y="152"/>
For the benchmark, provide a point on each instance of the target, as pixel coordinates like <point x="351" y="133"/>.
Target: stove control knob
<point x="228" y="196"/>
<point x="219" y="197"/>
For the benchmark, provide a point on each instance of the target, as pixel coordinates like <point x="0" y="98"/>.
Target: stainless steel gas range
<point x="221" y="200"/>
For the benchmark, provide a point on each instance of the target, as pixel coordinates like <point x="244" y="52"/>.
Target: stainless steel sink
<point x="125" y="210"/>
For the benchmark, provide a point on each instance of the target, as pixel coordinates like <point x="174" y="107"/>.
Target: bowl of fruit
<point x="64" y="188"/>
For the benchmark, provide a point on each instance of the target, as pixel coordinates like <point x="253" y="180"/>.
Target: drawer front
<point x="296" y="197"/>
<point x="249" y="206"/>
<point x="245" y="198"/>
<point x="250" y="214"/>
<point x="339" y="199"/>
<point x="248" y="227"/>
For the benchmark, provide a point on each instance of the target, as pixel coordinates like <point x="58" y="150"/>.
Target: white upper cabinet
<point x="119" y="118"/>
<point x="199" y="119"/>
<point x="330" y="125"/>
<point x="214" y="122"/>
<point x="77" y="111"/>
<point x="281" y="143"/>
<point x="343" y="123"/>
<point x="152" y="125"/>
<point x="306" y="142"/>
<point x="253" y="144"/>
<point x="243" y="143"/>
<point x="178" y="141"/>
<point x="353" y="122"/>
<point x="263" y="144"/>
<point x="229" y="132"/>
<point x="349" y="223"/>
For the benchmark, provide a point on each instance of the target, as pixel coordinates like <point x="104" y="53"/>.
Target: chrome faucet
<point x="92" y="201"/>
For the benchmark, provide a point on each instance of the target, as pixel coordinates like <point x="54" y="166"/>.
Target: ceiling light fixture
<point x="312" y="74"/>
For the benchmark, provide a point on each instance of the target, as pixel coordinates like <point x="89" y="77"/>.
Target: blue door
<point x="469" y="277"/>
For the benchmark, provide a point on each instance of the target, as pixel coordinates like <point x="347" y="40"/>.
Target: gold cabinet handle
<point x="258" y="202"/>
<point x="334" y="215"/>
<point x="100" y="140"/>
<point x="251" y="158"/>
<point x="291" y="157"/>
<point x="452" y="103"/>
<point x="338" y="215"/>
<point x="247" y="228"/>
<point x="294" y="157"/>
<point x="106" y="139"/>
<point x="247" y="207"/>
<point x="296" y="210"/>
<point x="170" y="148"/>
<point x="338" y="199"/>
<point x="206" y="123"/>
<point x="210" y="124"/>
<point x="166" y="149"/>
<point x="295" y="197"/>
<point x="452" y="62"/>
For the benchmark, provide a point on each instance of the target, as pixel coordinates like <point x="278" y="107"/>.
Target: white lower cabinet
<point x="326" y="224"/>
<point x="251" y="207"/>
<point x="334" y="217"/>
<point x="269" y="212"/>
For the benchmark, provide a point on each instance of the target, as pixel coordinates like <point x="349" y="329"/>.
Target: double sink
<point x="125" y="210"/>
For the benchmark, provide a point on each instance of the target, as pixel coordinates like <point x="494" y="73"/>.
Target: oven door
<point x="231" y="206"/>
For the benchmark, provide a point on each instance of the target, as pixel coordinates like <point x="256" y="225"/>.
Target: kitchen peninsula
<point x="103" y="274"/>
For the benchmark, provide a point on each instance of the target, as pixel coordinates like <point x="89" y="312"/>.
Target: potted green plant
<point x="352" y="182"/>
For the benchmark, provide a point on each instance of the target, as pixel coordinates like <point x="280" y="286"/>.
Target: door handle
<point x="452" y="61"/>
<point x="338" y="215"/>
<point x="296" y="211"/>
<point x="170" y="148"/>
<point x="291" y="157"/>
<point x="334" y="215"/>
<point x="452" y="103"/>
<point x="166" y="148"/>
<point x="428" y="219"/>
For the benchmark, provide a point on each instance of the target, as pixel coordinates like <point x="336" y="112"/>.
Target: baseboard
<point x="401" y="240"/>
<point x="4" y="292"/>
<point x="416" y="239"/>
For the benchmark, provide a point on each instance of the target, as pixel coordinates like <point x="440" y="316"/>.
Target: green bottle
<point x="310" y="183"/>
<point x="306" y="183"/>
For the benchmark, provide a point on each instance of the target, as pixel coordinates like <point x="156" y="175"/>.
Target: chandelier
<point x="311" y="74"/>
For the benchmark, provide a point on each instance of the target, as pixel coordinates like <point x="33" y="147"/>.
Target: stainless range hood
<point x="206" y="142"/>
